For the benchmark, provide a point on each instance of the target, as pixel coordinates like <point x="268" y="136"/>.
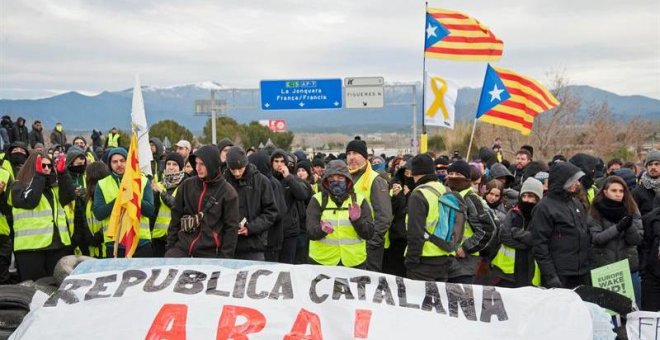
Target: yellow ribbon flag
<point x="439" y="101"/>
<point x="124" y="225"/>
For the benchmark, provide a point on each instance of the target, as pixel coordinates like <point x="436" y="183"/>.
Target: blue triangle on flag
<point x="434" y="31"/>
<point x="493" y="92"/>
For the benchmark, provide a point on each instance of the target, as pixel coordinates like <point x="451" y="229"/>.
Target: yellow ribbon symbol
<point x="439" y="94"/>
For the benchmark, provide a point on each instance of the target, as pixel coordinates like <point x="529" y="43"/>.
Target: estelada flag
<point x="512" y="100"/>
<point x="124" y="226"/>
<point x="440" y="95"/>
<point x="456" y="36"/>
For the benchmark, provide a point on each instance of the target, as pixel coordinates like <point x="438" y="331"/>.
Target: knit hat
<point x="117" y="151"/>
<point x="236" y="158"/>
<point x="304" y="164"/>
<point x="533" y="186"/>
<point x="318" y="162"/>
<point x="461" y="167"/>
<point x="73" y="153"/>
<point x="422" y="164"/>
<point x="653" y="155"/>
<point x="359" y="147"/>
<point x="173" y="156"/>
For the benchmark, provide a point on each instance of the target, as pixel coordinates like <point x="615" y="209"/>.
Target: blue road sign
<point x="305" y="94"/>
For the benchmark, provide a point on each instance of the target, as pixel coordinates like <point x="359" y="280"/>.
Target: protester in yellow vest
<point x="13" y="159"/>
<point x="41" y="235"/>
<point x="94" y="238"/>
<point x="165" y="191"/>
<point x="423" y="259"/>
<point x="339" y="221"/>
<point x="105" y="194"/>
<point x="478" y="230"/>
<point x="514" y="264"/>
<point x="113" y="139"/>
<point x="375" y="190"/>
<point x="81" y="143"/>
<point x="6" y="182"/>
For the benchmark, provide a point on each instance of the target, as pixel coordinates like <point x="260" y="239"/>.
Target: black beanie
<point x="318" y="162"/>
<point x="236" y="158"/>
<point x="422" y="164"/>
<point x="461" y="167"/>
<point x="359" y="147"/>
<point x="173" y="156"/>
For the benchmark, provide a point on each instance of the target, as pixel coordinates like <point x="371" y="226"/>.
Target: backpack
<point x="448" y="232"/>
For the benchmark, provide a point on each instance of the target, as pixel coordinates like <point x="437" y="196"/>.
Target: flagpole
<point x="474" y="128"/>
<point x="423" y="140"/>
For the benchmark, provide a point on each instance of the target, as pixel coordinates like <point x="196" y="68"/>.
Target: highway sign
<point x="364" y="92"/>
<point x="304" y="94"/>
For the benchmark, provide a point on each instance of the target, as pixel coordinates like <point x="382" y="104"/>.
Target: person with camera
<point x="256" y="208"/>
<point x="205" y="213"/>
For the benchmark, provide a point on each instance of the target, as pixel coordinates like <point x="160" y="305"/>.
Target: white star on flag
<point x="495" y="93"/>
<point x="430" y="31"/>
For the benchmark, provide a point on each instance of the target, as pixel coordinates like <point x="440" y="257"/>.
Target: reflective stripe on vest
<point x="110" y="190"/>
<point x="163" y="219"/>
<point x="591" y="193"/>
<point x="429" y="249"/>
<point x="33" y="228"/>
<point x="343" y="244"/>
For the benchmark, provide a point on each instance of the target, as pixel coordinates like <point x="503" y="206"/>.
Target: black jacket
<point x="20" y="133"/>
<point x="515" y="233"/>
<point x="256" y="205"/>
<point x="36" y="136"/>
<point x="611" y="245"/>
<point x="275" y="235"/>
<point x="295" y="190"/>
<point x="218" y="230"/>
<point x="562" y="242"/>
<point x="651" y="243"/>
<point x="644" y="199"/>
<point x="400" y="206"/>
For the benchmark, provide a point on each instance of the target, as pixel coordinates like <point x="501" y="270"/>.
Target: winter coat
<point x="218" y="229"/>
<point x="57" y="138"/>
<point x="400" y="207"/>
<point x="157" y="163"/>
<point x="382" y="207"/>
<point x="96" y="139"/>
<point x="644" y="199"/>
<point x="20" y="133"/>
<point x="36" y="136"/>
<point x="562" y="242"/>
<point x="294" y="190"/>
<point x="651" y="243"/>
<point x="256" y="205"/>
<point x="515" y="233"/>
<point x="610" y="245"/>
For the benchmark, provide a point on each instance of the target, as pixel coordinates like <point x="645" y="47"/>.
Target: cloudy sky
<point x="48" y="47"/>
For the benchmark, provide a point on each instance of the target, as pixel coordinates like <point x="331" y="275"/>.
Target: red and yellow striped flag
<point x="456" y="36"/>
<point x="512" y="100"/>
<point x="124" y="226"/>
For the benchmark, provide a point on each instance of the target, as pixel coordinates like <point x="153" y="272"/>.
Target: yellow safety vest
<point x="6" y="165"/>
<point x="505" y="260"/>
<point x="429" y="249"/>
<point x="591" y="193"/>
<point x="94" y="226"/>
<point x="343" y="244"/>
<point x="33" y="228"/>
<point x="113" y="140"/>
<point x="91" y="158"/>
<point x="162" y="219"/>
<point x="4" y="225"/>
<point x="110" y="190"/>
<point x="369" y="175"/>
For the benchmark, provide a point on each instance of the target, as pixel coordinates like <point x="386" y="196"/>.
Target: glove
<point x="37" y="165"/>
<point x="554" y="282"/>
<point x="354" y="212"/>
<point x="624" y="224"/>
<point x="327" y="227"/>
<point x="60" y="165"/>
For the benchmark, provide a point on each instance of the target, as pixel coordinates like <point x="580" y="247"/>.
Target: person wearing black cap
<point x="479" y="228"/>
<point x="318" y="166"/>
<point x="423" y="259"/>
<point x="205" y="213"/>
<point x="562" y="243"/>
<point x="256" y="205"/>
<point x="375" y="189"/>
<point x="165" y="192"/>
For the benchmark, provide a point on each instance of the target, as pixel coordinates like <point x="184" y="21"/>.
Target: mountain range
<point x="112" y="109"/>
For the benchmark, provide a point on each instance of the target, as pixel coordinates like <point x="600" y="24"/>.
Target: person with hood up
<point x="500" y="173"/>
<point x="256" y="208"/>
<point x="616" y="228"/>
<point x="105" y="194"/>
<point x="223" y="147"/>
<point x="304" y="173"/>
<point x="513" y="266"/>
<point x="41" y="235"/>
<point x="20" y="131"/>
<point x="76" y="163"/>
<point x="157" y="153"/>
<point x="6" y="131"/>
<point x="6" y="182"/>
<point x="562" y="243"/>
<point x="205" y="213"/>
<point x="339" y="221"/>
<point x="261" y="160"/>
<point x="93" y="174"/>
<point x="15" y="157"/>
<point x="375" y="189"/>
<point x="479" y="228"/>
<point x="295" y="192"/>
<point x="96" y="139"/>
<point x="165" y="192"/>
<point x="36" y="135"/>
<point x="587" y="164"/>
<point x="57" y="136"/>
<point x="318" y="167"/>
<point x="649" y="184"/>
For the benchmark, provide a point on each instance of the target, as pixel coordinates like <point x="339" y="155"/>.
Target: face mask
<point x="17" y="158"/>
<point x="337" y="188"/>
<point x="51" y="180"/>
<point x="78" y="169"/>
<point x="458" y="184"/>
<point x="441" y="177"/>
<point x="379" y="166"/>
<point x="58" y="128"/>
<point x="526" y="208"/>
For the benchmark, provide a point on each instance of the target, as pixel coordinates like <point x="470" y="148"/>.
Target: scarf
<point x="610" y="210"/>
<point x="367" y="172"/>
<point x="650" y="183"/>
<point x="173" y="180"/>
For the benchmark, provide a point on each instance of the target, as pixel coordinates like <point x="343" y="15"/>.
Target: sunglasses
<point x="47" y="165"/>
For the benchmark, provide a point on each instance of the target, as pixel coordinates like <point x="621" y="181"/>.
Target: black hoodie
<point x="295" y="191"/>
<point x="218" y="200"/>
<point x="157" y="164"/>
<point x="261" y="160"/>
<point x="562" y="243"/>
<point x="20" y="131"/>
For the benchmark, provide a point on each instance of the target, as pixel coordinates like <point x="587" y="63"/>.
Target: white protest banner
<point x="643" y="325"/>
<point x="276" y="301"/>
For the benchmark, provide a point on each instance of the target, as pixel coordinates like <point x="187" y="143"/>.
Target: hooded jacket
<point x="223" y="143"/>
<point x="261" y="160"/>
<point x="515" y="233"/>
<point x="36" y="136"/>
<point x="256" y="205"/>
<point x="562" y="242"/>
<point x="382" y="206"/>
<point x="487" y="156"/>
<point x="20" y="133"/>
<point x="364" y="226"/>
<point x="57" y="137"/>
<point x="218" y="229"/>
<point x="587" y="164"/>
<point x="157" y="163"/>
<point x="294" y="190"/>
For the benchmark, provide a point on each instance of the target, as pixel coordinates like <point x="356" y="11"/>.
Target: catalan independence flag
<point x="124" y="226"/>
<point x="512" y="100"/>
<point x="456" y="36"/>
